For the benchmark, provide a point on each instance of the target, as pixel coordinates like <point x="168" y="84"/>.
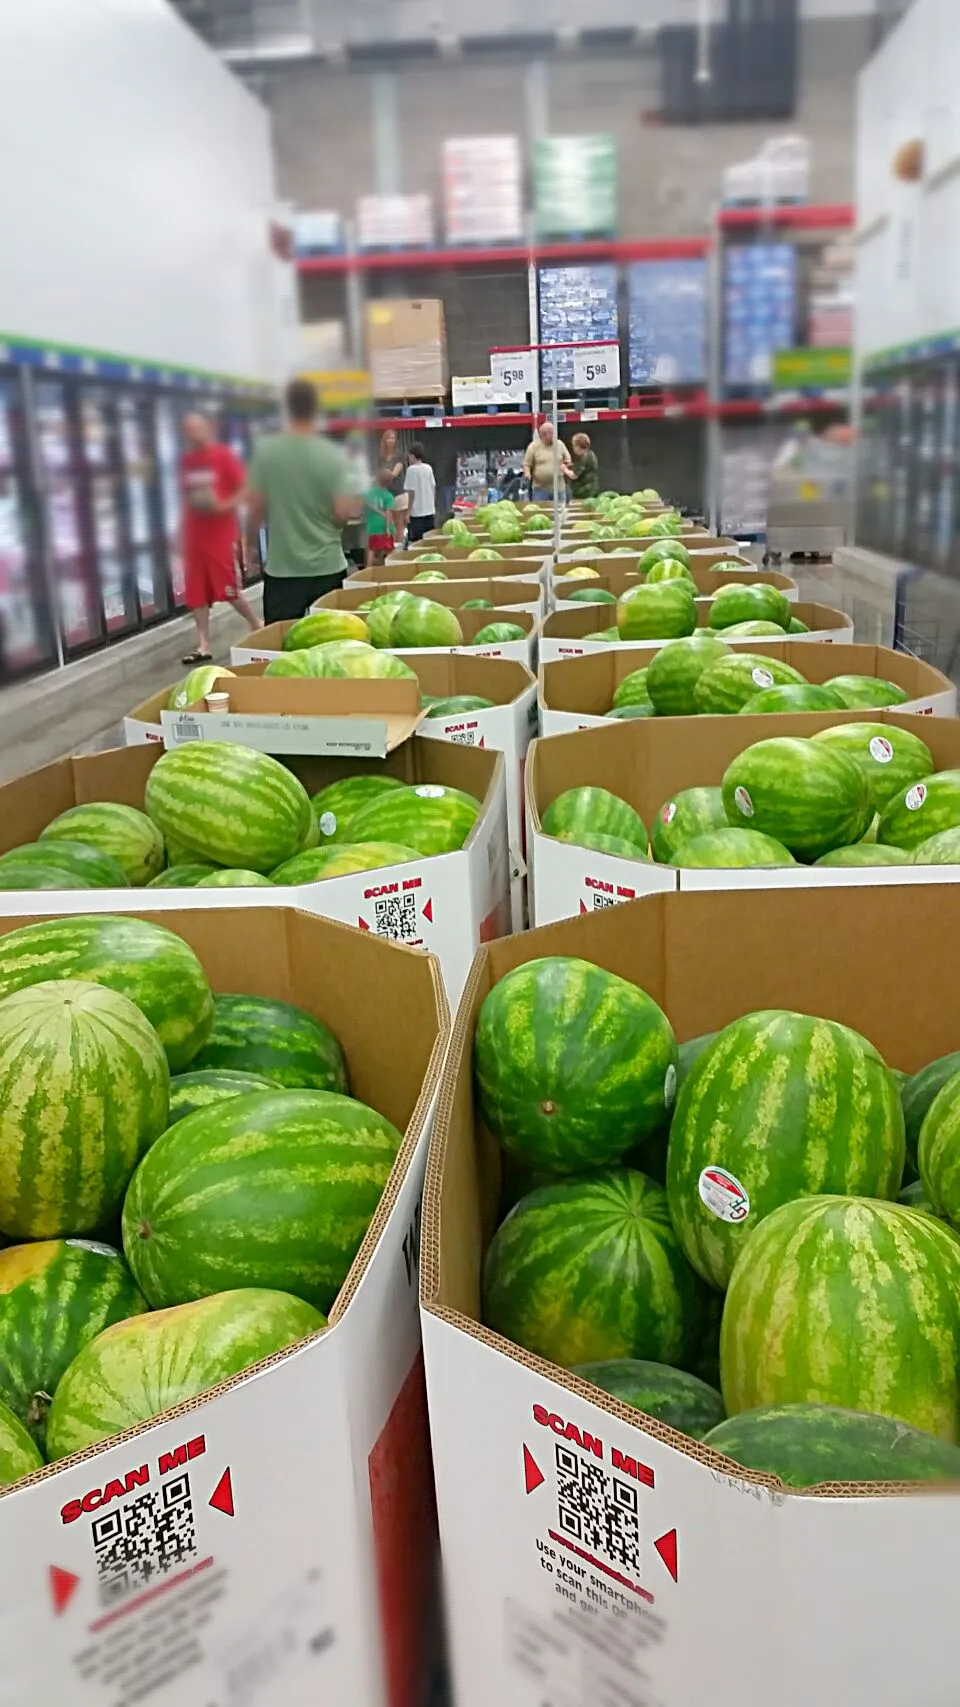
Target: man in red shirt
<point x="212" y="481"/>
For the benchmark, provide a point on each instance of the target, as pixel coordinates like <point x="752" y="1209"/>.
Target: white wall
<point x="136" y="187"/>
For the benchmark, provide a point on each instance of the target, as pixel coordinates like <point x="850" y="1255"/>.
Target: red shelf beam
<point x="661" y="249"/>
<point x="840" y="216"/>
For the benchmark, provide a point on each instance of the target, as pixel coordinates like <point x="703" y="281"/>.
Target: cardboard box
<point x="699" y="558"/>
<point x="508" y="592"/>
<point x="531" y="554"/>
<point x="290" y="714"/>
<point x="447" y="903"/>
<point x="574" y="693"/>
<point x="566" y="633"/>
<point x="401" y="573"/>
<point x="620" y="577"/>
<point x="802" y="1583"/>
<point x="646" y="763"/>
<point x="268" y="642"/>
<point x="407" y="346"/>
<point x="294" y="1559"/>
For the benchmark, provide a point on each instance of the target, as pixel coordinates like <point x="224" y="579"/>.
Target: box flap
<point x="293" y="714"/>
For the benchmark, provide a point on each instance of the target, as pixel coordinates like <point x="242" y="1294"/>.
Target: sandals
<point x="198" y="658"/>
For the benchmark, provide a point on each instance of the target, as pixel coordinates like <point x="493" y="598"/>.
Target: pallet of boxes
<point x="407" y="350"/>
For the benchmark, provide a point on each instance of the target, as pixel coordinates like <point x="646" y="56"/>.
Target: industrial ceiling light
<point x="703" y="73"/>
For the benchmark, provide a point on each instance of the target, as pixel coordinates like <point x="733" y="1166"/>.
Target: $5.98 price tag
<point x="597" y="368"/>
<point x="511" y="374"/>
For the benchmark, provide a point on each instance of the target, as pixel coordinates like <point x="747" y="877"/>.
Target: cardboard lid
<point x="295" y="714"/>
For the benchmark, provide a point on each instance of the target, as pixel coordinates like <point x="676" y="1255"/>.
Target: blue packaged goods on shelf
<point x="760" y="309"/>
<point x="668" y="322"/>
<point x="577" y="304"/>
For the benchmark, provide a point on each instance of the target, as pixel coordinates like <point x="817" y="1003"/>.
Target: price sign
<point x="597" y="368"/>
<point x="511" y="374"/>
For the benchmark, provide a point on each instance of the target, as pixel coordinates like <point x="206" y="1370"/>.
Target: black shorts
<point x="285" y="597"/>
<point x="419" y="525"/>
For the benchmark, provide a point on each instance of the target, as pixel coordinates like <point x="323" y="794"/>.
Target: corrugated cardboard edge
<point x="461" y="1044"/>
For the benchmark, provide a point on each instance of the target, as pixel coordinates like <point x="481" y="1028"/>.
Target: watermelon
<point x="596" y="811"/>
<point x="422" y="622"/>
<point x="430" y="818"/>
<point x="755" y="631"/>
<point x="19" y="1455"/>
<point x="917" y="1095"/>
<point x="297" y="664"/>
<point x="915" y="1197"/>
<point x="320" y="626"/>
<point x="675" y="671"/>
<point x="537" y="1028"/>
<point x="589" y="1269"/>
<point x="456" y="704"/>
<point x="632" y="690"/>
<point x="920" y="812"/>
<point x="275" y="1040"/>
<point x="360" y="663"/>
<point x="739" y="603"/>
<point x="146" y="962"/>
<point x="181" y="876"/>
<point x="485" y="554"/>
<point x="55" y="1297"/>
<point x="432" y="575"/>
<point x="726" y="848"/>
<point x="430" y="557"/>
<point x="498" y="634"/>
<point x="811" y="798"/>
<point x="667" y="569"/>
<point x="591" y="596"/>
<point x="609" y="636"/>
<point x="865" y="853"/>
<point x="690" y="1052"/>
<point x="616" y="845"/>
<point x="579" y="572"/>
<point x="669" y="549"/>
<point x="626" y="713"/>
<point x="692" y="812"/>
<point x="863" y="692"/>
<point x="341" y="859"/>
<point x="123" y="832"/>
<point x="147" y="1366"/>
<point x="891" y="759"/>
<point x="273" y="1189"/>
<point x="938" y="1150"/>
<point x="190" y="1091"/>
<point x="229" y="804"/>
<point x="234" y="878"/>
<point x="381" y="614"/>
<point x="478" y="604"/>
<point x="795" y="626"/>
<point x="196" y="686"/>
<point x="808" y="1445"/>
<point x="96" y="870"/>
<point x="669" y="1395"/>
<point x="730" y="566"/>
<point x="844" y="1301"/>
<point x="791" y="696"/>
<point x="657" y="612"/>
<point x="84" y="1086"/>
<point x="781" y="1105"/>
<point x="31" y="875"/>
<point x="727" y="685"/>
<point x="941" y="849"/>
<point x="339" y="802"/>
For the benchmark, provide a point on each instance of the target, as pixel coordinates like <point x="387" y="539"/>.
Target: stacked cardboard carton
<point x="407" y="348"/>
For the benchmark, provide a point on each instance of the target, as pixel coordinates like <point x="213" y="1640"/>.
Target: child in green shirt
<point x="379" y="518"/>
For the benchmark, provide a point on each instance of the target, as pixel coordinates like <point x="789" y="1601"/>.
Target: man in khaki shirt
<point x="543" y="453"/>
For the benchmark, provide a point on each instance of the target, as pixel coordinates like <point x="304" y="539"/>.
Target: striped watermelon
<point x="147" y="962"/>
<point x="669" y="548"/>
<point x="596" y="843"/>
<point x="229" y="804"/>
<point x="692" y="812"/>
<point x="938" y="1150"/>
<point x="917" y="1095"/>
<point x="182" y="876"/>
<point x="274" y="1189"/>
<point x="84" y="1086"/>
<point x="918" y="813"/>
<point x="233" y="879"/>
<point x="727" y="685"/>
<point x="809" y="797"/>
<point x="915" y="1197"/>
<point x="209" y="1085"/>
<point x="847" y="1301"/>
<point x="675" y="671"/>
<point x="55" y="1297"/>
<point x="430" y="818"/>
<point x="690" y="1052"/>
<point x="632" y="690"/>
<point x="589" y="1269"/>
<point x="573" y="1065"/>
<point x="456" y="704"/>
<point x="891" y="759"/>
<point x="362" y="663"/>
<point x="756" y="630"/>
<point x="808" y="1445"/>
<point x="656" y="1389"/>
<point x="381" y="614"/>
<point x="865" y="853"/>
<point x="142" y="1368"/>
<point x="738" y="603"/>
<point x="795" y="626"/>
<point x="36" y="876"/>
<point x="780" y="1106"/>
<point x="722" y="849"/>
<point x="423" y="622"/>
<point x="336" y="804"/>
<point x="319" y="627"/>
<point x="941" y="849"/>
<point x="196" y="686"/>
<point x="340" y="859"/>
<point x="792" y="696"/>
<point x="19" y="1455"/>
<point x="120" y="831"/>
<point x="97" y="870"/>
<point x="432" y="575"/>
<point x="667" y="569"/>
<point x="865" y="692"/>
<point x="657" y="612"/>
<point x="275" y="1040"/>
<point x="590" y="596"/>
<point x="626" y="713"/>
<point x="595" y="811"/>
<point x="299" y="664"/>
<point x="498" y="633"/>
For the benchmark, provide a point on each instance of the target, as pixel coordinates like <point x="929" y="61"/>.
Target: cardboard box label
<point x="337" y="737"/>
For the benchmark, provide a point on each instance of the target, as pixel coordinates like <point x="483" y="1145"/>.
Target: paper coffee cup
<point x="217" y="702"/>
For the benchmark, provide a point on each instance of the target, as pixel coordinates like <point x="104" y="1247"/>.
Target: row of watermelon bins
<point x="265" y="643"/>
<point x="306" y="1542"/>
<point x="648" y="762"/>
<point x="624" y="574"/>
<point x="572" y="633"/>
<point x="726" y="1589"/>
<point x="507" y="726"/>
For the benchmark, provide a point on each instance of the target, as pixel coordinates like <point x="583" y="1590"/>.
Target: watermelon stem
<point x="548" y="1107"/>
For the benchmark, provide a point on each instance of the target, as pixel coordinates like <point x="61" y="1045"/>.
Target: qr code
<point x="603" y="900"/>
<point x="598" y="1511"/>
<point x="464" y="737"/>
<point x="396" y="916"/>
<point x="147" y="1538"/>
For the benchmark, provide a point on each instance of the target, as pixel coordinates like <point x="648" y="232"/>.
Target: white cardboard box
<point x="622" y="575"/>
<point x="297" y="1486"/>
<point x="260" y="648"/>
<point x="648" y="761"/>
<point x="448" y="903"/>
<point x="504" y="592"/>
<point x="730" y="1591"/>
<point x="567" y="633"/>
<point x="574" y="693"/>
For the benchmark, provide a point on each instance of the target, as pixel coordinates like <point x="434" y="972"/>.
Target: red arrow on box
<point x="222" y="1497"/>
<point x="532" y="1473"/>
<point x="428" y="910"/>
<point x="63" y="1587"/>
<point x="667" y="1548"/>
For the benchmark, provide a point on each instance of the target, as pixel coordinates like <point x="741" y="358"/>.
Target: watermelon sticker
<point x="91" y="1245"/>
<point x="762" y="677"/>
<point x="743" y="802"/>
<point x="881" y="750"/>
<point x="723" y="1195"/>
<point x="430" y="791"/>
<point x="915" y="797"/>
<point x="668" y="812"/>
<point x="328" y="823"/>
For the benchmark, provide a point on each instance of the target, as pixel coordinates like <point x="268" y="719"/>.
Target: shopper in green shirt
<point x="298" y="485"/>
<point x="586" y="471"/>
